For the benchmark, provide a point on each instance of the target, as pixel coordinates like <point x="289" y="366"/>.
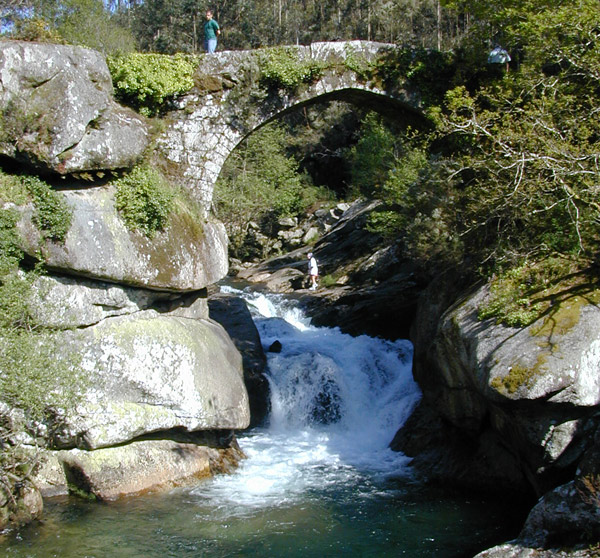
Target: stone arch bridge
<point x="229" y="102"/>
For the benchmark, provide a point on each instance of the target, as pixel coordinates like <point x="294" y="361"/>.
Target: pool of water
<point x="366" y="518"/>
<point x="319" y="479"/>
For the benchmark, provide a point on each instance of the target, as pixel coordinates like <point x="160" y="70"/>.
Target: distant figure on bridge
<point x="211" y="30"/>
<point x="313" y="271"/>
<point x="499" y="56"/>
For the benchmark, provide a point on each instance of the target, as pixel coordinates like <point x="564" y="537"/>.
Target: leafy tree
<point x="88" y="23"/>
<point x="82" y="22"/>
<point x="260" y="183"/>
<point x="373" y="156"/>
<point x="169" y="27"/>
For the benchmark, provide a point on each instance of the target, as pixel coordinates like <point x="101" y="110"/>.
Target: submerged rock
<point x="275" y="347"/>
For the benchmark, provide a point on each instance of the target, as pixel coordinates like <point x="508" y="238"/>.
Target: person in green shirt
<point x="211" y="30"/>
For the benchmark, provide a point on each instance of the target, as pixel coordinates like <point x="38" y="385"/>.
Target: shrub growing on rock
<point x="144" y="200"/>
<point x="150" y="82"/>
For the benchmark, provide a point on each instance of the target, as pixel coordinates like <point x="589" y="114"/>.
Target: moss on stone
<point x="565" y="315"/>
<point x="520" y="376"/>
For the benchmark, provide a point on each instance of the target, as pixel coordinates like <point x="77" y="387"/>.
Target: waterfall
<point x="336" y="403"/>
<point x="318" y="480"/>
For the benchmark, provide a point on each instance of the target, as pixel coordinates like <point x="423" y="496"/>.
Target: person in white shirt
<point x="313" y="271"/>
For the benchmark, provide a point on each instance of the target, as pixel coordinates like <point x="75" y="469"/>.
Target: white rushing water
<point x="337" y="402"/>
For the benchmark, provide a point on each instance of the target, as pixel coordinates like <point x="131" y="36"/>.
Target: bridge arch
<point x="228" y="103"/>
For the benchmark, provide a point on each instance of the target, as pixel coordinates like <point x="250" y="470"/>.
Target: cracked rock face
<point x="153" y="373"/>
<point x="57" y="112"/>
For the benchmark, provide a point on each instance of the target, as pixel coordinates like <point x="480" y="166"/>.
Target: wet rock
<point x="233" y="314"/>
<point x="21" y="506"/>
<point x="112" y="473"/>
<point x="275" y="347"/>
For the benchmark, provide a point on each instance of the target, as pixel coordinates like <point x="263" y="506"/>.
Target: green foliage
<point x="88" y="23"/>
<point x="362" y="67"/>
<point x="260" y="183"/>
<point x="32" y="379"/>
<point x="330" y="280"/>
<point x="52" y="214"/>
<point x="373" y="156"/>
<point x="12" y="190"/>
<point x="281" y="68"/>
<point x="431" y="72"/>
<point x="176" y="26"/>
<point x="510" y="299"/>
<point x="144" y="199"/>
<point x="509" y="174"/>
<point x="520" y="295"/>
<point x="10" y="250"/>
<point x="35" y="29"/>
<point x="151" y="82"/>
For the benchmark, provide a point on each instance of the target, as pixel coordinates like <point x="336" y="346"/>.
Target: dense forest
<point x="504" y="182"/>
<point x="169" y="27"/>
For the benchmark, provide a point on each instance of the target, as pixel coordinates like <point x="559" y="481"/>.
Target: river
<point x="319" y="478"/>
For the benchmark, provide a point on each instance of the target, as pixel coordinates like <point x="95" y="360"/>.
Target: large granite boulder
<point x="111" y="473"/>
<point x="522" y="400"/>
<point x="63" y="302"/>
<point x="152" y="373"/>
<point x="564" y="522"/>
<point x="99" y="246"/>
<point x="57" y="111"/>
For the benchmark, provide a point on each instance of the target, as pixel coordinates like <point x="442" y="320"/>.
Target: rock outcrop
<point x="138" y="467"/>
<point x="366" y="286"/>
<point x="164" y="384"/>
<point x="99" y="246"/>
<point x="151" y="373"/>
<point x="233" y="314"/>
<point x="523" y="397"/>
<point x="57" y="112"/>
